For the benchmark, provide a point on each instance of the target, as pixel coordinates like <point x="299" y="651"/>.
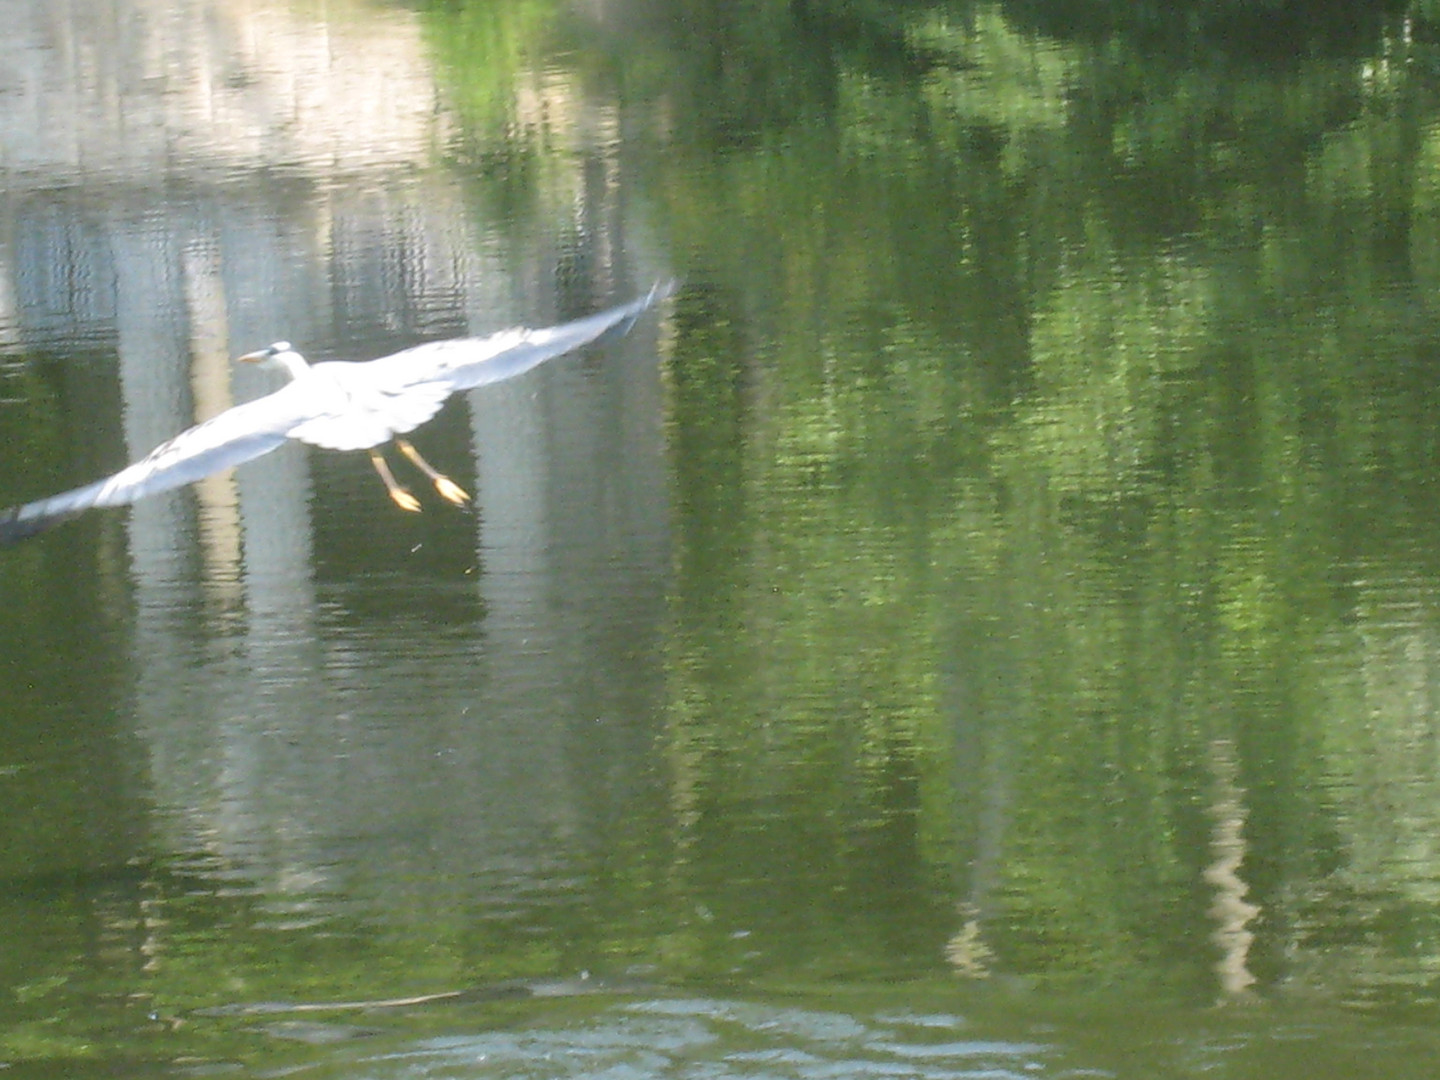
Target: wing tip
<point x="14" y="528"/>
<point x="662" y="290"/>
<point x="631" y="312"/>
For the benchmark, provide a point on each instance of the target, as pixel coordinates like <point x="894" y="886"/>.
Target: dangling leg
<point x="403" y="498"/>
<point x="448" y="489"/>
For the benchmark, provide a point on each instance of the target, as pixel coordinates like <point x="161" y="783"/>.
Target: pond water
<point x="985" y="624"/>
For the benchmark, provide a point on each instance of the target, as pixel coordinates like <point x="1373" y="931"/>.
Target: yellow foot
<point x="405" y="500"/>
<point x="451" y="491"/>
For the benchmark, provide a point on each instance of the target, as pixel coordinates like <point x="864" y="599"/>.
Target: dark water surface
<point x="987" y="624"/>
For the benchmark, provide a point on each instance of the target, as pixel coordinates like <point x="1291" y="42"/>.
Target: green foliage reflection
<point x="1072" y="396"/>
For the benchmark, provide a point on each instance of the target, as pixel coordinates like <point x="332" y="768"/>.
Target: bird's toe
<point x="451" y="491"/>
<point x="405" y="500"/>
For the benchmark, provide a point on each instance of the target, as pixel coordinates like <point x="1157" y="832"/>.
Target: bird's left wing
<point x="237" y="435"/>
<point x="466" y="363"/>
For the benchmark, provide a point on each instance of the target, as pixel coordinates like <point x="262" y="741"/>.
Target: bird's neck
<point x="294" y="366"/>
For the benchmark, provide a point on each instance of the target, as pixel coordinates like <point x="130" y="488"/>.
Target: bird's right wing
<point x="466" y="363"/>
<point x="237" y="435"/>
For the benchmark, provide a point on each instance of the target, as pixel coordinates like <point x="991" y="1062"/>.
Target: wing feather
<point x="466" y="363"/>
<point x="237" y="435"/>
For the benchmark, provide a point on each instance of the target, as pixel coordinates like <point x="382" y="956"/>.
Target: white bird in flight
<point x="336" y="405"/>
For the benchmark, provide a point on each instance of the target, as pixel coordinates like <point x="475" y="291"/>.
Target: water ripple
<point x="704" y="1039"/>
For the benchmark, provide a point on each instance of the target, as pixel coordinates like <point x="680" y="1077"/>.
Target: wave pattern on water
<point x="706" y="1038"/>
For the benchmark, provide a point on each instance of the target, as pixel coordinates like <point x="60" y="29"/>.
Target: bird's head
<point x="280" y="355"/>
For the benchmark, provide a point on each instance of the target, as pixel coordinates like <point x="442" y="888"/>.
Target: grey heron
<point x="338" y="406"/>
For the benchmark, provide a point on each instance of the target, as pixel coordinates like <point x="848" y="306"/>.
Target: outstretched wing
<point x="237" y="435"/>
<point x="466" y="363"/>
